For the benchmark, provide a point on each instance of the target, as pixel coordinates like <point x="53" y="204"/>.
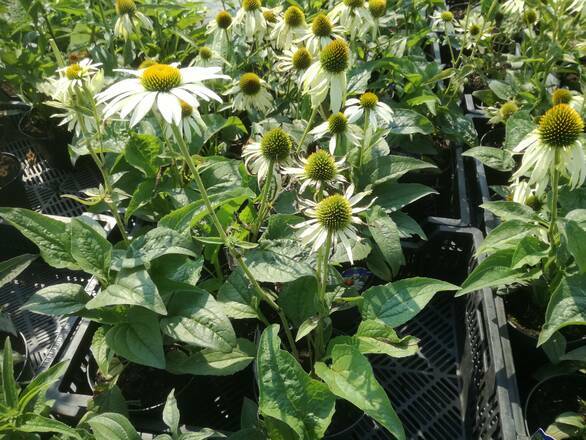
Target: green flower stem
<point x="264" y="202"/>
<point x="211" y="212"/>
<point x="364" y="141"/>
<point x="100" y="163"/>
<point x="555" y="178"/>
<point x="450" y="44"/>
<point x="323" y="272"/>
<point x="308" y="127"/>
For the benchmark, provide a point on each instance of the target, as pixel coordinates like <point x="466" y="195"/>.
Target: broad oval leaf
<point x="238" y="297"/>
<point x="50" y="235"/>
<point x="12" y="268"/>
<point x="351" y="377"/>
<point x="208" y="362"/>
<point x="112" y="426"/>
<point x="133" y="287"/>
<point x="91" y="251"/>
<point x="272" y="267"/>
<point x="287" y="393"/>
<point x="396" y="303"/>
<point x="195" y="317"/>
<point x="139" y="341"/>
<point x="60" y="299"/>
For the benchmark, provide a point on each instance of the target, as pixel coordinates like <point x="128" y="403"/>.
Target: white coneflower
<point x="218" y="30"/>
<point x="251" y="93"/>
<point x="558" y="142"/>
<point x="320" y="170"/>
<point x="353" y="15"/>
<point x="207" y="57"/>
<point x="272" y="151"/>
<point x="289" y="28"/>
<point x="129" y="19"/>
<point x="74" y="76"/>
<point x="333" y="217"/>
<point x="476" y="30"/>
<point x="191" y="122"/>
<point x="323" y="31"/>
<point x="161" y="87"/>
<point x="74" y="118"/>
<point x="341" y="131"/>
<point x="296" y="60"/>
<point x="328" y="74"/>
<point x="378" y="9"/>
<point x="570" y="97"/>
<point x="370" y="107"/>
<point x="251" y="20"/>
<point x="443" y="21"/>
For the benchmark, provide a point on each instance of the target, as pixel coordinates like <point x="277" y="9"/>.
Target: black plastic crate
<point x="461" y="385"/>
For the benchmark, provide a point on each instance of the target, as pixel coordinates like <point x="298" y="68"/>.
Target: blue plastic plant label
<point x="357" y="277"/>
<point x="541" y="435"/>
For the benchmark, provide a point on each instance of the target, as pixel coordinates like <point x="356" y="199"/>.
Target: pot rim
<point x="20" y="168"/>
<point x="542" y="381"/>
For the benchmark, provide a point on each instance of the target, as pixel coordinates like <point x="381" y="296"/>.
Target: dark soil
<point x="145" y="387"/>
<point x="553" y="397"/>
<point x="9" y="169"/>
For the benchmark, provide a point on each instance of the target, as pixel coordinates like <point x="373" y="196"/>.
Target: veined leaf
<point x="507" y="210"/>
<point x="506" y="235"/>
<point x="396" y="303"/>
<point x="12" y="268"/>
<point x="91" y="251"/>
<point x="496" y="158"/>
<point x="60" y="299"/>
<point x="273" y="267"/>
<point x="394" y="196"/>
<point x="351" y="378"/>
<point x="133" y="287"/>
<point x="288" y="393"/>
<point x="209" y="362"/>
<point x="112" y="426"/>
<point x="567" y="306"/>
<point x="50" y="235"/>
<point x="238" y="297"/>
<point x="195" y="317"/>
<point x="386" y="236"/>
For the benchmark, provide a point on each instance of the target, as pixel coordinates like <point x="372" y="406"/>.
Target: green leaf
<point x="51" y="236"/>
<point x="529" y="252"/>
<point x="377" y="337"/>
<point x="351" y="378"/>
<point x="171" y="413"/>
<point x="112" y="426"/>
<point x="496" y="158"/>
<point x="9" y="387"/>
<point x="409" y="122"/>
<point x="91" y="251"/>
<point x="209" y="362"/>
<point x="287" y="393"/>
<point x="36" y="423"/>
<point x="172" y="272"/>
<point x="299" y="299"/>
<point x="156" y="243"/>
<point x="510" y="210"/>
<point x="133" y="287"/>
<point x="34" y="393"/>
<point x="386" y="236"/>
<point x="269" y="266"/>
<point x="518" y="126"/>
<point x="141" y="196"/>
<point x="196" y="318"/>
<point x="396" y="303"/>
<point x="495" y="271"/>
<point x="280" y="226"/>
<point x="12" y="268"/>
<point x="407" y="226"/>
<point x="139" y="341"/>
<point x="394" y="196"/>
<point x="238" y="297"/>
<point x="576" y="243"/>
<point x="142" y="152"/>
<point x="501" y="89"/>
<point x="307" y="327"/>
<point x="390" y="167"/>
<point x="567" y="306"/>
<point x="60" y="299"/>
<point x="507" y="235"/>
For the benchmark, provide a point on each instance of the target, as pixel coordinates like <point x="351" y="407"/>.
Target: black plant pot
<point x="20" y="350"/>
<point x="12" y="191"/>
<point x="551" y="397"/>
<point x="54" y="138"/>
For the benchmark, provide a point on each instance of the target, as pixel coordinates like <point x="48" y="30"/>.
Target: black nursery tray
<point x="44" y="185"/>
<point x="461" y="385"/>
